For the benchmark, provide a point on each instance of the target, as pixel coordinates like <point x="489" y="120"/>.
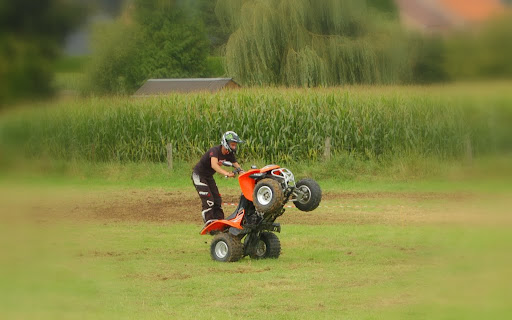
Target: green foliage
<point x="160" y="40"/>
<point x="71" y="82"/>
<point x="71" y="64"/>
<point x="114" y="67"/>
<point x="215" y="67"/>
<point x="311" y="43"/>
<point x="217" y="35"/>
<point x="279" y="125"/>
<point x="386" y="6"/>
<point x="25" y="71"/>
<point x="49" y="19"/>
<point x="429" y="63"/>
<point x="484" y="53"/>
<point x="30" y="35"/>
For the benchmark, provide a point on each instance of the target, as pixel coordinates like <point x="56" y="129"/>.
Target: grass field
<point x="92" y="248"/>
<point x="92" y="226"/>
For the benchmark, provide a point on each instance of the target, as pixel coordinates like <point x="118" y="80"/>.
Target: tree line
<point x="298" y="43"/>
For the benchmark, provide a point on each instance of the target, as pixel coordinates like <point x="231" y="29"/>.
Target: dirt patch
<point x="145" y="206"/>
<point x="149" y="205"/>
<point x="164" y="206"/>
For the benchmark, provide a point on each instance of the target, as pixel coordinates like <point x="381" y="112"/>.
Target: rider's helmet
<point x="230" y="136"/>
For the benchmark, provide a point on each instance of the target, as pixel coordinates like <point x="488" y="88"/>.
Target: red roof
<point x="473" y="10"/>
<point x="441" y="15"/>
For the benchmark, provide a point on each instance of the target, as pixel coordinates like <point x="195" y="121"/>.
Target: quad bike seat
<point x="236" y="210"/>
<point x="233" y="214"/>
<point x="243" y="203"/>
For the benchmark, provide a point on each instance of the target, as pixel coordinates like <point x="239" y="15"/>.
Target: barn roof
<point x="163" y="86"/>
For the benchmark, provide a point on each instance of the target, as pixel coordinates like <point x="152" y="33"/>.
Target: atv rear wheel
<point x="268" y="195"/>
<point x="312" y="195"/>
<point x="226" y="248"/>
<point x="268" y="247"/>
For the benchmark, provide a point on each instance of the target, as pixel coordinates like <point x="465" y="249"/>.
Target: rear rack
<point x="285" y="175"/>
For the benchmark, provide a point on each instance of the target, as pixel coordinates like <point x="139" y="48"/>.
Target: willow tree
<point x="311" y="43"/>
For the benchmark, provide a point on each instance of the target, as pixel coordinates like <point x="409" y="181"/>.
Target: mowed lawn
<point x="369" y="255"/>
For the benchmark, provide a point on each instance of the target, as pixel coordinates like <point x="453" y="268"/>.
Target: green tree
<point x="311" y="43"/>
<point x="31" y="34"/>
<point x="152" y="39"/>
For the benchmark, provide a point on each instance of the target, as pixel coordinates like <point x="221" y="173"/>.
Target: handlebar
<point x="236" y="171"/>
<point x="229" y="164"/>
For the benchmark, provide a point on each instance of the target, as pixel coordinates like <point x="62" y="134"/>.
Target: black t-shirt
<point x="204" y="166"/>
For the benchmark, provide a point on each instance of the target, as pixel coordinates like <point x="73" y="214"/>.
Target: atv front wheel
<point x="268" y="196"/>
<point x="226" y="248"/>
<point x="268" y="247"/>
<point x="311" y="195"/>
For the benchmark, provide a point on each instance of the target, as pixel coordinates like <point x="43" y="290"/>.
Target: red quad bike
<point x="249" y="231"/>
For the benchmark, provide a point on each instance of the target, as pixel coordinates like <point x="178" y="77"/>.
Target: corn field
<point x="278" y="125"/>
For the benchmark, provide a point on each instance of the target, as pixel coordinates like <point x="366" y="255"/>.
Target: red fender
<point x="236" y="222"/>
<point x="247" y="183"/>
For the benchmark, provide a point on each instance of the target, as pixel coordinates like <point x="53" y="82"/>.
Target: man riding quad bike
<point x="249" y="231"/>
